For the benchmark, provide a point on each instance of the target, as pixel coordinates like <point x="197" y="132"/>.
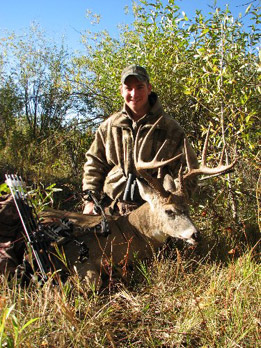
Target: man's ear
<point x="149" y="88"/>
<point x="120" y="88"/>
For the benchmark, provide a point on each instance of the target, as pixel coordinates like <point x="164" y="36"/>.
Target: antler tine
<point x="222" y="155"/>
<point x="204" y="152"/>
<point x="181" y="189"/>
<point x="155" y="163"/>
<point x="205" y="148"/>
<point x="187" y="155"/>
<point x="204" y="169"/>
<point x="142" y="166"/>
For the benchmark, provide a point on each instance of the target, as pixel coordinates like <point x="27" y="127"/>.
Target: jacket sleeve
<point x="96" y="167"/>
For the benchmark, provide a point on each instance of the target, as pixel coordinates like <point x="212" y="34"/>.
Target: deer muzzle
<point x="194" y="238"/>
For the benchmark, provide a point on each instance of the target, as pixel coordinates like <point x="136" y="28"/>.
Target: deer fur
<point x="135" y="236"/>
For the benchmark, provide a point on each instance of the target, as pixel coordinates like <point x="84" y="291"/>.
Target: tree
<point x="10" y="106"/>
<point x="38" y="105"/>
<point x="39" y="70"/>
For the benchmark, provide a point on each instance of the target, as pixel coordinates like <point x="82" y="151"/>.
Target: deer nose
<point x="196" y="236"/>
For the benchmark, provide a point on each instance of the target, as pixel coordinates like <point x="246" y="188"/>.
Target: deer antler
<point x="204" y="169"/>
<point x="142" y="166"/>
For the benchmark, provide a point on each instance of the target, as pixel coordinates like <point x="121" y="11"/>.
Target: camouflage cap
<point x="135" y="70"/>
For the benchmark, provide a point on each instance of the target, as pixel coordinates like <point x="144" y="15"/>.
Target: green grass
<point x="185" y="303"/>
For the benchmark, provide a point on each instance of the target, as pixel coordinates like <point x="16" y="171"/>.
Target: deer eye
<point x="170" y="213"/>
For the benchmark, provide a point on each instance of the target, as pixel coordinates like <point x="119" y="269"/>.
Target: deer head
<point x="168" y="200"/>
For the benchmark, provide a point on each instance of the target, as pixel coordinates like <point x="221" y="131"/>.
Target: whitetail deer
<point x="139" y="234"/>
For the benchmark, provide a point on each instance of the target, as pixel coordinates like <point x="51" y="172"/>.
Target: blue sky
<point x="67" y="18"/>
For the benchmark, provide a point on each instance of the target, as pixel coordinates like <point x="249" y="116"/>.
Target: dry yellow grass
<point x="168" y="303"/>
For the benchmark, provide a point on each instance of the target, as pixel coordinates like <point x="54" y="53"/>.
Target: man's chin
<point x="135" y="107"/>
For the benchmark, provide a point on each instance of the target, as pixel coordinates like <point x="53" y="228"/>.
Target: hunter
<point x="109" y="170"/>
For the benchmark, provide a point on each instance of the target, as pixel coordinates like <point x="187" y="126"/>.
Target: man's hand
<point x="89" y="208"/>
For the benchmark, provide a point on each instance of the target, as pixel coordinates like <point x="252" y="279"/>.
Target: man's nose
<point x="133" y="92"/>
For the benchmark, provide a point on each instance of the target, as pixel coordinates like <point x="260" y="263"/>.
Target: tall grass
<point x="174" y="302"/>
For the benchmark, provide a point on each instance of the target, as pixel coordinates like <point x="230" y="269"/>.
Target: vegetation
<point x="173" y="303"/>
<point x="206" y="70"/>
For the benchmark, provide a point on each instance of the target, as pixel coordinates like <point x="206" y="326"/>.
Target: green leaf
<point x="4" y="188"/>
<point x="28" y="323"/>
<point x="248" y="8"/>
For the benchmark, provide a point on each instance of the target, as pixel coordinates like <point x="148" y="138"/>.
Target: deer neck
<point x="146" y="222"/>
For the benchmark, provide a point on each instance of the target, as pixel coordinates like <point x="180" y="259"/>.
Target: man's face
<point x="135" y="94"/>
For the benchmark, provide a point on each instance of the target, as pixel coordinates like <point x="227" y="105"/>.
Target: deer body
<point x="135" y="236"/>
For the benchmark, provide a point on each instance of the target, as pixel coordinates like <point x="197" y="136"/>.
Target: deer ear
<point x="146" y="192"/>
<point x="170" y="184"/>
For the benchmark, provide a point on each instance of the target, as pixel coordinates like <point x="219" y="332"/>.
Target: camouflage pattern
<point x="110" y="157"/>
<point x="134" y="70"/>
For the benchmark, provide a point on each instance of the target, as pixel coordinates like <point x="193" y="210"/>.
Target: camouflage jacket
<point x="110" y="157"/>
